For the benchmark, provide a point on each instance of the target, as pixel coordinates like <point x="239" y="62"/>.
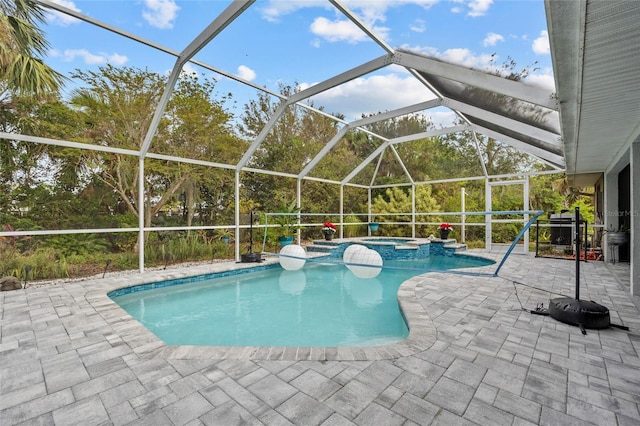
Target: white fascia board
<point x="235" y="9"/>
<point x="516" y="89"/>
<point x="263" y="134"/>
<point x="352" y="74"/>
<point x="554" y="159"/>
<point x="551" y="138"/>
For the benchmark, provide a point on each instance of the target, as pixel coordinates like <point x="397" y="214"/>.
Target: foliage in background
<point x="48" y="187"/>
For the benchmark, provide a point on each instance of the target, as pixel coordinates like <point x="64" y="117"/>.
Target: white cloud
<point x="541" y="45"/>
<point x="89" y="58"/>
<point x="419" y="26"/>
<point x="277" y="8"/>
<point x="544" y="78"/>
<point x="117" y="59"/>
<point x="188" y="69"/>
<point x="57" y="18"/>
<point x="339" y="30"/>
<point x="479" y="7"/>
<point x="492" y="39"/>
<point x="160" y="13"/>
<point x="377" y="93"/>
<point x="466" y="58"/>
<point x="246" y="73"/>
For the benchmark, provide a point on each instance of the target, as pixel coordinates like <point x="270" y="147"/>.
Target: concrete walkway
<point x="70" y="356"/>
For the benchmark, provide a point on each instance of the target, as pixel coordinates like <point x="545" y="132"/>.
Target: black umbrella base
<point x="581" y="313"/>
<point x="250" y="258"/>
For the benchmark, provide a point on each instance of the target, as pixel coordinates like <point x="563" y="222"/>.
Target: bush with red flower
<point x="445" y="227"/>
<point x="329" y="228"/>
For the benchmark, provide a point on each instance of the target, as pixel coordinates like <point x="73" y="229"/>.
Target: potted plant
<point x="445" y="229"/>
<point x="288" y="222"/>
<point x="328" y="229"/>
<point x="617" y="236"/>
<point x="224" y="234"/>
<point x="373" y="226"/>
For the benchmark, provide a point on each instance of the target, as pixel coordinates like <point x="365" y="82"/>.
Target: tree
<point x="398" y="200"/>
<point x="21" y="45"/>
<point x="296" y="137"/>
<point x="119" y="103"/>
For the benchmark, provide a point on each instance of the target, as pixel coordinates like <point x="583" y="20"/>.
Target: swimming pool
<point x="318" y="305"/>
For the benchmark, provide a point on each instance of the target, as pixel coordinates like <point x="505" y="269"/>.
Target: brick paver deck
<point x="476" y="355"/>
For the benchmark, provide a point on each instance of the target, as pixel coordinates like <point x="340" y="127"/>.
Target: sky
<point x="305" y="42"/>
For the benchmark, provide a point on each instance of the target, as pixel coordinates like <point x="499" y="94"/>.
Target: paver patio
<point x="70" y="356"/>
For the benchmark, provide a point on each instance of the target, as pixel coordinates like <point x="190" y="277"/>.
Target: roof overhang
<point x="596" y="57"/>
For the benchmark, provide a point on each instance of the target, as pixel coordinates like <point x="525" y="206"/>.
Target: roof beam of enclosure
<point x="483" y="80"/>
<point x="406" y="172"/>
<point x="555" y="160"/>
<point x="353" y="18"/>
<point x="479" y="152"/>
<point x="344" y="77"/>
<point x="234" y="10"/>
<point x="429" y="133"/>
<point x="372" y="35"/>
<point x="59" y="8"/>
<point x="262" y="135"/>
<point x="109" y="149"/>
<point x="364" y="121"/>
<point x="172" y="52"/>
<point x="375" y="172"/>
<point x="377" y="151"/>
<point x="325" y="149"/>
<point x="544" y="136"/>
<point x="313" y="90"/>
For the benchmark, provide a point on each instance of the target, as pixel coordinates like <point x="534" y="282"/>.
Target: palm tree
<point x="22" y="43"/>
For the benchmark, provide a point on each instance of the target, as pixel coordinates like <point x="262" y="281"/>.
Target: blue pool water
<point x="319" y="305"/>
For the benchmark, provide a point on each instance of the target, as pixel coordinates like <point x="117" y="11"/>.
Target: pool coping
<point x="422" y="331"/>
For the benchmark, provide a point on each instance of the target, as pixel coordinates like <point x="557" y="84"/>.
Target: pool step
<point x="456" y="246"/>
<point x="320" y="246"/>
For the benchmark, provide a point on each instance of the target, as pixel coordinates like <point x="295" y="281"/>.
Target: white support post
<point x="487" y="217"/>
<point x="341" y="211"/>
<point x="413" y="210"/>
<point x="141" y="213"/>
<point x="369" y="210"/>
<point x="610" y="208"/>
<point x="634" y="243"/>
<point x="525" y="237"/>
<point x="298" y="199"/>
<point x="237" y="215"/>
<point x="463" y="219"/>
